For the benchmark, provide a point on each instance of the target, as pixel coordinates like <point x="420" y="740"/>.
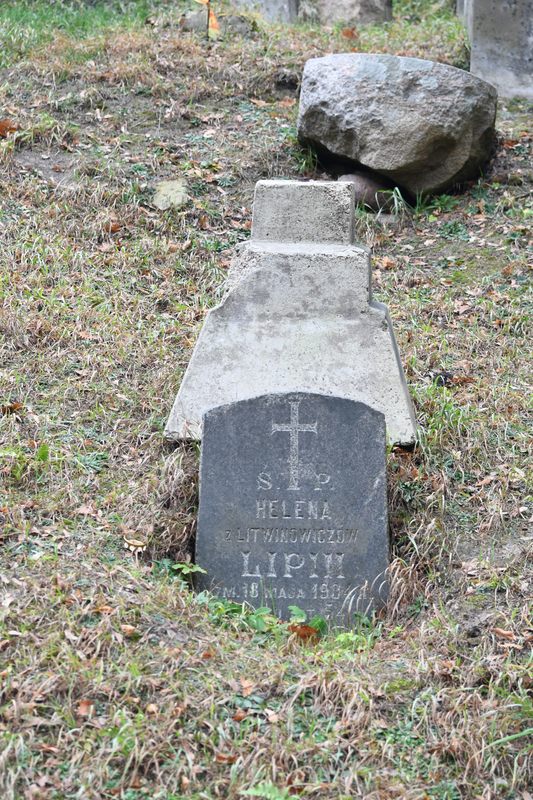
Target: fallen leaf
<point x="48" y="748"/>
<point x="86" y="511"/>
<point x="445" y="667"/>
<point x="170" y="194"/>
<point x="247" y="687"/>
<point x="287" y="102"/>
<point x="113" y="226"/>
<point x="486" y="481"/>
<point x="213" y="28"/>
<point x="7" y="126"/>
<point x="203" y="222"/>
<point x="461" y="380"/>
<point x="85" y="708"/>
<point x="207" y="654"/>
<point x="10" y="408"/>
<point x="152" y="709"/>
<point x="461" y="308"/>
<point x="128" y="630"/>
<point x="304" y="631"/>
<point x="240" y="715"/>
<point x="503" y="634"/>
<point x="104" y="609"/>
<point x="349" y="33"/>
<point x="259" y="103"/>
<point x="225" y="758"/>
<point x="271" y="716"/>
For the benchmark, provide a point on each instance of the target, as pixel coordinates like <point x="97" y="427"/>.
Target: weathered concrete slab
<point x="287" y="211"/>
<point x="293" y="505"/>
<point x="298" y="316"/>
<point x="501" y="36"/>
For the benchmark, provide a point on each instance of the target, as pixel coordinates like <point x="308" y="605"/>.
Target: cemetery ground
<point x="115" y="679"/>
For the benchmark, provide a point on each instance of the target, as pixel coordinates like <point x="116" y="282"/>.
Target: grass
<point x="115" y="679"/>
<point x="27" y="24"/>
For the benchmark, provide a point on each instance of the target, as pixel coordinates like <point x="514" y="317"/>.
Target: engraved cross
<point x="293" y="428"/>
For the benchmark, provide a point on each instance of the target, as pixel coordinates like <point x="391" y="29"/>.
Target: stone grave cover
<point x="293" y="508"/>
<point x="298" y="316"/>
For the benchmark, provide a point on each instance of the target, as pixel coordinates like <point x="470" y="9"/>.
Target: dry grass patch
<point x="116" y="681"/>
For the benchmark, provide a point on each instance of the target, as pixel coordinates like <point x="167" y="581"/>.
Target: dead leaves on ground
<point x="225" y="758"/>
<point x="303" y="632"/>
<point x="7" y="126"/>
<point x="85" y="708"/>
<point x="11" y="408"/>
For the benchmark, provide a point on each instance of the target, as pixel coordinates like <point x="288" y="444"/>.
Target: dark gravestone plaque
<point x="293" y="507"/>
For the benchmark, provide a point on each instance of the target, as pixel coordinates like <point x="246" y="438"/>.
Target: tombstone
<point x="501" y="37"/>
<point x="272" y="10"/>
<point x="327" y="12"/>
<point x="351" y="12"/>
<point x="293" y="508"/>
<point x="298" y="316"/>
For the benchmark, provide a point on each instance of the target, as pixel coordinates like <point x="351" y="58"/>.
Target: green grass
<point x="27" y="24"/>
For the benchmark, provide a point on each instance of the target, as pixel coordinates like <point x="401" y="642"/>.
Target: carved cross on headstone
<point x="323" y="548"/>
<point x="293" y="428"/>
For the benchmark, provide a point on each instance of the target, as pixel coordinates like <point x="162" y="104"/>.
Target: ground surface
<point x="115" y="681"/>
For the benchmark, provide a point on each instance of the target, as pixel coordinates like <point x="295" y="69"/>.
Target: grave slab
<point x="293" y="508"/>
<point x="298" y="316"/>
<point x="272" y="10"/>
<point x="501" y="37"/>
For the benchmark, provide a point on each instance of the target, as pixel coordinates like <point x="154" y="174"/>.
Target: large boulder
<point x="424" y="125"/>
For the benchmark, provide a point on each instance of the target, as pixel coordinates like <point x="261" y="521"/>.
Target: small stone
<point x="170" y="194"/>
<point x="194" y="21"/>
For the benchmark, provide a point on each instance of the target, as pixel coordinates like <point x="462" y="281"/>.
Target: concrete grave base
<point x="297" y="317"/>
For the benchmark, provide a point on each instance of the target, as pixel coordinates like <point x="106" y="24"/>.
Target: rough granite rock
<point x="424" y="125"/>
